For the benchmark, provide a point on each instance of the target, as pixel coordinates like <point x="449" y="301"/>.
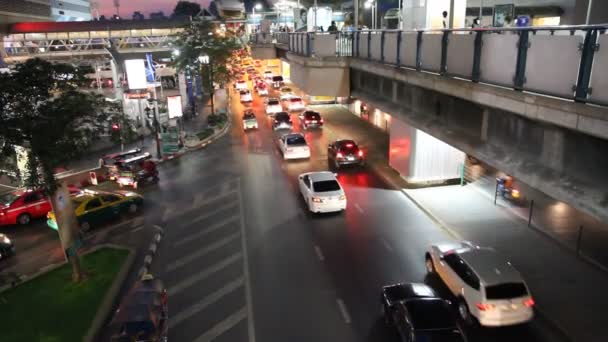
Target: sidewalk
<point x="190" y="126"/>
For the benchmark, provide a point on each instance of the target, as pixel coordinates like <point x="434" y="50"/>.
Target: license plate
<point x="314" y="121"/>
<point x="350" y="158"/>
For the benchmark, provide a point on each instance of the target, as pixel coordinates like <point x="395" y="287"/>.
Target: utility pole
<point x="356" y="19"/>
<point x="117" y="6"/>
<point x="589" y="6"/>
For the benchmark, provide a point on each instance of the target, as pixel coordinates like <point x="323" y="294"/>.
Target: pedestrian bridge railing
<point x="569" y="62"/>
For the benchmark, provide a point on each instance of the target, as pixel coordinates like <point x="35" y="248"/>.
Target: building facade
<point x="14" y="11"/>
<point x="70" y="10"/>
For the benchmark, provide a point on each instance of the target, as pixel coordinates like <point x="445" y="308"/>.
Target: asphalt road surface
<point x="243" y="260"/>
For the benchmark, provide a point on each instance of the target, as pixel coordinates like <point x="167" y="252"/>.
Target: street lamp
<point x="257" y="6"/>
<point x="373" y="5"/>
<point x="205" y="60"/>
<point x="156" y="129"/>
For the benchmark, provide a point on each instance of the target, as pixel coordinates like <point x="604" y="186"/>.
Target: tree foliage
<point x="186" y="8"/>
<point x="201" y="38"/>
<point x="42" y="111"/>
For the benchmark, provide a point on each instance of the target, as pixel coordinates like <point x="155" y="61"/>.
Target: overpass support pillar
<point x="553" y="148"/>
<point x="395" y="89"/>
<point x="485" y="116"/>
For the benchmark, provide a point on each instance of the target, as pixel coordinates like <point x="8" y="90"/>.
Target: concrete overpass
<point x="531" y="102"/>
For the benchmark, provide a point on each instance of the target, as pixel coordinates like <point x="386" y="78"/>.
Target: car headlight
<point x="6" y="240"/>
<point x="342" y="197"/>
<point x="317" y="200"/>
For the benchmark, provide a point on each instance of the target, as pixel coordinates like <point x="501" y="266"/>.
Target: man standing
<point x="332" y="28"/>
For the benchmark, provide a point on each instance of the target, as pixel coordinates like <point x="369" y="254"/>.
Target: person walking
<point x="332" y="28"/>
<point x="445" y="18"/>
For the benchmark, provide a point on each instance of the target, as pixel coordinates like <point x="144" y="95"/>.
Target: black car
<point x="6" y="247"/>
<point x="310" y="119"/>
<point x="344" y="152"/>
<point x="418" y="314"/>
<point x="282" y="120"/>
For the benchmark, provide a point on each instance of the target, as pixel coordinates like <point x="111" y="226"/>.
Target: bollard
<point x="531" y="210"/>
<point x="496" y="192"/>
<point x="578" y="240"/>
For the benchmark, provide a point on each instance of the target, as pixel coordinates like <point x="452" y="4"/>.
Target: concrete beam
<point x="587" y="119"/>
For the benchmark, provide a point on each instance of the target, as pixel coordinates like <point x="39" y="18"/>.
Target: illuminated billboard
<point x="136" y="73"/>
<point x="174" y="103"/>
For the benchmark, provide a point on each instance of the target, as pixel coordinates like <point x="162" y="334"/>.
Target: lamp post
<point x="205" y="60"/>
<point x="372" y="4"/>
<point x="156" y="129"/>
<point x="257" y="6"/>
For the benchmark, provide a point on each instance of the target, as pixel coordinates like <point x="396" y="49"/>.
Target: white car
<point x="487" y="287"/>
<point x="286" y="96"/>
<point x="241" y="85"/>
<point x="246" y="96"/>
<point x="262" y="91"/>
<point x="294" y="146"/>
<point x="295" y="103"/>
<point x="273" y="106"/>
<point x="322" y="192"/>
<point x="268" y="76"/>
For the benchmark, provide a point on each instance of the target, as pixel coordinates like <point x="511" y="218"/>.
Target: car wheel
<point x="463" y="311"/>
<point x="85" y="226"/>
<point x="24" y="219"/>
<point x="133" y="208"/>
<point x="430" y="267"/>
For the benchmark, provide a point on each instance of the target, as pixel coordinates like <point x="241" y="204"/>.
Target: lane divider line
<point x="359" y="209"/>
<point x="343" y="311"/>
<point x="248" y="298"/>
<point x="184" y="284"/>
<point x="208" y="230"/>
<point x="205" y="250"/>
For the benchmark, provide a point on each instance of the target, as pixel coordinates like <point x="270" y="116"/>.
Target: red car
<point x="21" y="206"/>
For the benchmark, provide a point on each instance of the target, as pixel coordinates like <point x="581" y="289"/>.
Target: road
<point x="244" y="261"/>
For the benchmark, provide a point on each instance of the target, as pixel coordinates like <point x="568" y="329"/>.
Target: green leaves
<point x="42" y="111"/>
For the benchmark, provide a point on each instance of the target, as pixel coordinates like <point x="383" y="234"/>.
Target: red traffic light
<point x="115" y="127"/>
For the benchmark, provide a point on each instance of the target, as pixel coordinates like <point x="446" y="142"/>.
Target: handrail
<point x="390" y="48"/>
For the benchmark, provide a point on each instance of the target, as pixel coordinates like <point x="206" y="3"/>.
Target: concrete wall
<point x="563" y="163"/>
<point x="260" y="51"/>
<point x="320" y="77"/>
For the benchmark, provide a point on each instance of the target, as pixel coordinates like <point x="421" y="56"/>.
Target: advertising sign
<point x="136" y="73"/>
<point x="501" y="12"/>
<point x="174" y="103"/>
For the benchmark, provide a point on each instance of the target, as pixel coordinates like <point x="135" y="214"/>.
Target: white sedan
<point x="262" y="91"/>
<point x="295" y="103"/>
<point x="294" y="146"/>
<point x="286" y="96"/>
<point x="246" y="96"/>
<point x="273" y="106"/>
<point x="322" y="192"/>
<point x="240" y="85"/>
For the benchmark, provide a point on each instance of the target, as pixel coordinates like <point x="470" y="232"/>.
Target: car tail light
<point x="307" y="121"/>
<point x="360" y="153"/>
<point x="529" y="302"/>
<point x="515" y="193"/>
<point x="317" y="200"/>
<point x="339" y="155"/>
<point x="485" y="307"/>
<point x="2" y="212"/>
<point x="349" y="145"/>
<point x="321" y="121"/>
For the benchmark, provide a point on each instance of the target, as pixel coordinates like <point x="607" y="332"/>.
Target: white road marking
<point x="250" y="321"/>
<point x="386" y="245"/>
<point x="358" y="208"/>
<point x="196" y="277"/>
<point x="223" y="326"/>
<point x="206" y="231"/>
<point x="205" y="302"/>
<point x="215" y="198"/>
<point x="319" y="253"/>
<point x="343" y="310"/>
<point x="199" y="253"/>
<point x="208" y="214"/>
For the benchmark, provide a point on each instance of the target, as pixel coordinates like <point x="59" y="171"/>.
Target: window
<point x="273" y="103"/>
<point x="93" y="204"/>
<point x="506" y="291"/>
<point x="295" y="99"/>
<point x="325" y="186"/>
<point x="307" y="181"/>
<point x="296" y="140"/>
<point x="32" y="197"/>
<point x="110" y="198"/>
<point x="462" y="270"/>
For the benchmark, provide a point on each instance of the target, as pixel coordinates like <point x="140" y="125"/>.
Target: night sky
<point x="127" y="7"/>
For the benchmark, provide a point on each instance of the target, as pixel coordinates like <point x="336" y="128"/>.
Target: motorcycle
<point x="505" y="188"/>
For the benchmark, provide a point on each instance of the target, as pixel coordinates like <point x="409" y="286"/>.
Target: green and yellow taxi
<point x="93" y="208"/>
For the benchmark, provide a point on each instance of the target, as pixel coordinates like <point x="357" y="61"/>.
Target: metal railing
<point x="561" y="61"/>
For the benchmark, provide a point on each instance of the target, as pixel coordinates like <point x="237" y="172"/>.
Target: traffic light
<point x="115" y="127"/>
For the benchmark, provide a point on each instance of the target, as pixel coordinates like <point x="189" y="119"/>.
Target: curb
<point x="107" y="304"/>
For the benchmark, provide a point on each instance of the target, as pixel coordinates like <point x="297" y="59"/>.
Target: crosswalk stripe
<point x="205" y="302"/>
<point x="194" y="278"/>
<point x="215" y="198"/>
<point x="173" y="211"/>
<point x="210" y="213"/>
<point x="206" y="231"/>
<point x="223" y="326"/>
<point x="218" y="244"/>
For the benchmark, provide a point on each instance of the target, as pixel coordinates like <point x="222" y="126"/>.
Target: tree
<point x="186" y="9"/>
<point x="158" y="15"/>
<point x="201" y="38"/>
<point x="137" y="15"/>
<point x="42" y="111"/>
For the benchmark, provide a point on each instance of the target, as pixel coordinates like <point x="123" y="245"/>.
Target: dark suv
<point x="344" y="152"/>
<point x="310" y="119"/>
<point x="282" y="120"/>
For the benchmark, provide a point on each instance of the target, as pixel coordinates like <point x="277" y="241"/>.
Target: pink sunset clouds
<point x="127" y="7"/>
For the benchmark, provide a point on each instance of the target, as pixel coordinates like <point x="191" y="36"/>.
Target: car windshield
<point x="8" y="198"/>
<point x="286" y="90"/>
<point x="430" y="314"/>
<point x="273" y="102"/>
<point x="312" y="116"/>
<point x="348" y="146"/>
<point x="325" y="186"/>
<point x="249" y="116"/>
<point x="506" y="291"/>
<point x="277" y="78"/>
<point x="295" y="99"/>
<point x="244" y="92"/>
<point x="296" y="140"/>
